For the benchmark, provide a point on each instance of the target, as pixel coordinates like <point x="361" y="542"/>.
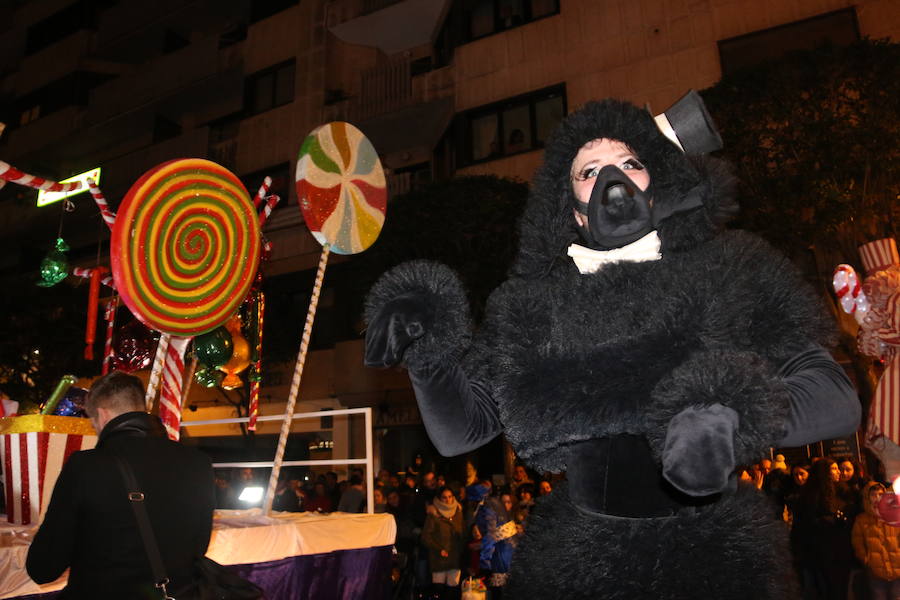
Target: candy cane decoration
<point x="10" y="173"/>
<point x="262" y="192"/>
<point x="256" y="372"/>
<point x="850" y="293"/>
<point x="110" y="316"/>
<point x="106" y="279"/>
<point x="109" y="217"/>
<point x="172" y="378"/>
<point x="156" y="370"/>
<point x="295" y="382"/>
<point x="271" y="202"/>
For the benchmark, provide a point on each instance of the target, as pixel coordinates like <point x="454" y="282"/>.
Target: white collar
<point x="642" y="250"/>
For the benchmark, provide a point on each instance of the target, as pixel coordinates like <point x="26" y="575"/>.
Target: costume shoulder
<point x="754" y="289"/>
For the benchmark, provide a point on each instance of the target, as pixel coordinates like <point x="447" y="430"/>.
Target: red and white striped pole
<point x="109" y="217"/>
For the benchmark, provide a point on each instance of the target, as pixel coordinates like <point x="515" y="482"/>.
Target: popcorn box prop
<point x="33" y="449"/>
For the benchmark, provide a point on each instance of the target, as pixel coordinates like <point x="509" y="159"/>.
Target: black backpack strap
<point x="136" y="499"/>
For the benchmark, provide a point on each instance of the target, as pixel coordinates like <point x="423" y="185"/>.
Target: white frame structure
<point x="367" y="461"/>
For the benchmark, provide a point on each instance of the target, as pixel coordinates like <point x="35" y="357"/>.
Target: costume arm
<point x="418" y="315"/>
<point x="720" y="410"/>
<point x="823" y="403"/>
<point x="460" y="415"/>
<point x="53" y="547"/>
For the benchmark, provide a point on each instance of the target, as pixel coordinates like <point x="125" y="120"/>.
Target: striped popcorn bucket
<point x="33" y="449"/>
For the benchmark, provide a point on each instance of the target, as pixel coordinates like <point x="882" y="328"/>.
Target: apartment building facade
<point x="441" y="87"/>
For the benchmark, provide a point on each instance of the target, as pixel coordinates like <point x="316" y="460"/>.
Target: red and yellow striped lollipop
<point x="341" y="188"/>
<point x="185" y="246"/>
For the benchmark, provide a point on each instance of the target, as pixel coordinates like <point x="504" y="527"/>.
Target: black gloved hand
<point x="399" y="323"/>
<point x="698" y="456"/>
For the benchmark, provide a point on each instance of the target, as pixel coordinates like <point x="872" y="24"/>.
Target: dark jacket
<point x="91" y="529"/>
<point x="441" y="533"/>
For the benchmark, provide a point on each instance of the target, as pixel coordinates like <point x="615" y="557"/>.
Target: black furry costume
<point x="647" y="382"/>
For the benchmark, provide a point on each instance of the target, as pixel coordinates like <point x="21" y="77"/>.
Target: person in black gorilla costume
<point x="646" y="379"/>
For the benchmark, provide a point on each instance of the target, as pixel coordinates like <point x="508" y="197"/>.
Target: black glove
<point x="397" y="324"/>
<point x="698" y="456"/>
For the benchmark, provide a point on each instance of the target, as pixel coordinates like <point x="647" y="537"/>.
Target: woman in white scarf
<point x="443" y="536"/>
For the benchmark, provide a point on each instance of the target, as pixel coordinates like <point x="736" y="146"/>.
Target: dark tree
<point x="815" y="138"/>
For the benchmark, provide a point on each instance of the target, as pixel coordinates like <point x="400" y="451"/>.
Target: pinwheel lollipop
<point x="343" y="197"/>
<point x="341" y="188"/>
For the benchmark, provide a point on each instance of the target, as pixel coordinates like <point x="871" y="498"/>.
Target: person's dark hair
<point x="355" y="479"/>
<point x="820" y="489"/>
<point x="118" y="392"/>
<point x="525" y="487"/>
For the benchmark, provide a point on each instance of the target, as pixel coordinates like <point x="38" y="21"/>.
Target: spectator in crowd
<point x="473" y="552"/>
<point x="415" y="469"/>
<point x="779" y="464"/>
<point x="877" y="546"/>
<point x="851" y="485"/>
<point x="288" y="495"/>
<point x="499" y="538"/>
<point x="332" y="488"/>
<point x="525" y="497"/>
<point x="545" y="487"/>
<point x="520" y="476"/>
<point x="823" y="529"/>
<point x="353" y="500"/>
<point x="384" y="479"/>
<point x="799" y="476"/>
<point x="443" y="537"/>
<point x="320" y="500"/>
<point x="380" y="500"/>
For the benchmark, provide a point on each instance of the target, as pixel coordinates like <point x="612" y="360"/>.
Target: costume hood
<point x="548" y="225"/>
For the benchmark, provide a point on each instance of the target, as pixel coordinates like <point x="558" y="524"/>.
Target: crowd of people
<point x="448" y="531"/>
<point x="842" y="548"/>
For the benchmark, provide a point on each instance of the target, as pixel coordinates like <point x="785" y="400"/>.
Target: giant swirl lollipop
<point x="184" y="252"/>
<point x="185" y="246"/>
<point x="342" y="194"/>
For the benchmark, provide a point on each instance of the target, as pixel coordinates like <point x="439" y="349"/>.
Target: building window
<point x="516" y="125"/>
<point x="838" y="28"/>
<point x="270" y="88"/>
<point x="71" y="90"/>
<point x="485" y="17"/>
<point x="73" y="18"/>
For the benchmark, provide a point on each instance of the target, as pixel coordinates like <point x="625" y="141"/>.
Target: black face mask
<point x="620" y="213"/>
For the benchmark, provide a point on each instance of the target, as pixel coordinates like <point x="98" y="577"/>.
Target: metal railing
<point x="367" y="461"/>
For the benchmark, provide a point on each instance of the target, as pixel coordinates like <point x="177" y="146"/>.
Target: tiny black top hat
<point x="688" y="124"/>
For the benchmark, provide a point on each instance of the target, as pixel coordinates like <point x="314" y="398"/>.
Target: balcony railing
<point x="385" y="88"/>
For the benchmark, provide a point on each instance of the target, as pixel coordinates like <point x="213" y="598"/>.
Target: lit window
<point x="516" y="125"/>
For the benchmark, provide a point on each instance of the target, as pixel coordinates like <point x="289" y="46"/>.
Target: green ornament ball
<point x="55" y="266"/>
<point x="213" y="349"/>
<point x="209" y="378"/>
